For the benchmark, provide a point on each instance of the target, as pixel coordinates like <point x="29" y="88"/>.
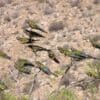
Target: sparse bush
<point x="63" y="94"/>
<point x="93" y="70"/>
<point x="25" y="97"/>
<point x="7" y="96"/>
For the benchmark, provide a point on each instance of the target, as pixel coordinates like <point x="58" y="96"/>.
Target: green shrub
<point x="93" y="70"/>
<point x="63" y="94"/>
<point x="25" y="97"/>
<point x="7" y="96"/>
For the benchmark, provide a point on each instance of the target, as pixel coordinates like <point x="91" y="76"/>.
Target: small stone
<point x="56" y="26"/>
<point x="74" y="3"/>
<point x="2" y="3"/>
<point x="8" y="1"/>
<point x="7" y="19"/>
<point x="96" y="1"/>
<point x="15" y="15"/>
<point x="25" y="24"/>
<point x="48" y="10"/>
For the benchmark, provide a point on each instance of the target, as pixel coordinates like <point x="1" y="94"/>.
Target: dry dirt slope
<point x="77" y="21"/>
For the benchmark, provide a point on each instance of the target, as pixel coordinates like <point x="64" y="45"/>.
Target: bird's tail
<point x="56" y="60"/>
<point x="42" y="30"/>
<point x="55" y="74"/>
<point x="94" y="57"/>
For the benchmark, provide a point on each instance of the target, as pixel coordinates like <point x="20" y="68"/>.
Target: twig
<point x="12" y="75"/>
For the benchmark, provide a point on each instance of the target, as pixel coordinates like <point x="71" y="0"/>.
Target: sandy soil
<point x="80" y="19"/>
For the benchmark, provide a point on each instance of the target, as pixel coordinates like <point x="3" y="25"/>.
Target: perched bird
<point x="76" y="54"/>
<point x="36" y="48"/>
<point x="33" y="24"/>
<point x="32" y="33"/>
<point x="2" y="86"/>
<point x="23" y="65"/>
<point x="52" y="56"/>
<point x="45" y="69"/>
<point x="25" y="40"/>
<point x="95" y="41"/>
<point x="4" y="55"/>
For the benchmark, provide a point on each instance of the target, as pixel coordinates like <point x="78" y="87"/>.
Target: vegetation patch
<point x="64" y="94"/>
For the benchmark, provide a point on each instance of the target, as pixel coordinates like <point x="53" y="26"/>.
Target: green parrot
<point x="44" y="69"/>
<point x="31" y="33"/>
<point x="25" y="40"/>
<point x="23" y="66"/>
<point x="52" y="56"/>
<point x="33" y="24"/>
<point x="76" y="54"/>
<point x="4" y="55"/>
<point x="36" y="48"/>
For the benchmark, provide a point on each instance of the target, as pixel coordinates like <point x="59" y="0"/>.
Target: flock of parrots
<point x="24" y="65"/>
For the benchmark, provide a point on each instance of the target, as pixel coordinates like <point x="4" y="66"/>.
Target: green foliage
<point x="93" y="70"/>
<point x="60" y="72"/>
<point x="2" y="86"/>
<point x="25" y="97"/>
<point x="92" y="88"/>
<point x="63" y="94"/>
<point x="8" y="96"/>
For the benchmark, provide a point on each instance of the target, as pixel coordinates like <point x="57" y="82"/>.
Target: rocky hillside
<point x="49" y="49"/>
